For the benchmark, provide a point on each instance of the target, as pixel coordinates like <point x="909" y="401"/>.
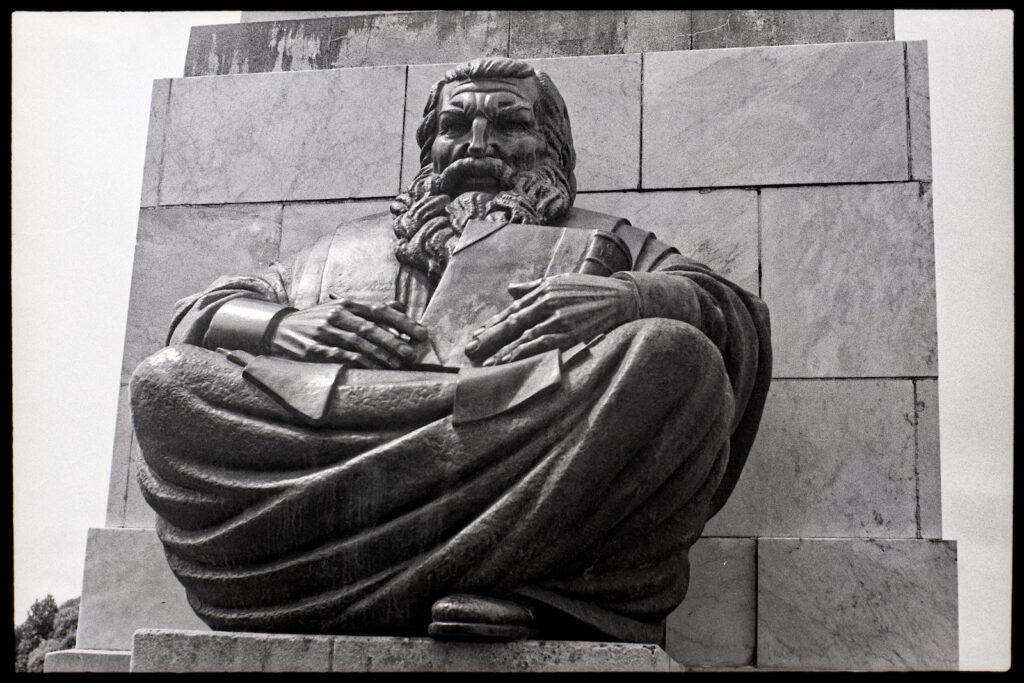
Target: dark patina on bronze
<point x="489" y="415"/>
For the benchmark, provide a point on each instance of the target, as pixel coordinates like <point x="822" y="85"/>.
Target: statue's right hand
<point x="350" y="333"/>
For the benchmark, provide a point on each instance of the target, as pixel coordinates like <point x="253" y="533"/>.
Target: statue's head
<point x="496" y="108"/>
<point x="495" y="143"/>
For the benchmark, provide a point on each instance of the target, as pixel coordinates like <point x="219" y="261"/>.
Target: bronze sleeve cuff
<point x="245" y="324"/>
<point x="665" y="296"/>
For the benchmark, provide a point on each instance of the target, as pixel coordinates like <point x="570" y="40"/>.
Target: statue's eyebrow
<point x="521" y="106"/>
<point x="455" y="109"/>
<point x="493" y="86"/>
<point x="515" y="112"/>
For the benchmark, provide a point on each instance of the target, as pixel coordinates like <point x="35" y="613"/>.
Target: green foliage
<point x="46" y="629"/>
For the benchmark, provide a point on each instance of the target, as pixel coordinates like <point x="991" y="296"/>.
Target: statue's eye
<point x="513" y="126"/>
<point x="451" y="125"/>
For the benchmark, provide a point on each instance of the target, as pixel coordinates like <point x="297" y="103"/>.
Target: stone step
<point x="294" y="41"/>
<point x="193" y="651"/>
<point x="88" y="661"/>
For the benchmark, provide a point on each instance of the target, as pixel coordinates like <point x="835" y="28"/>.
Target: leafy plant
<point x="46" y="629"/>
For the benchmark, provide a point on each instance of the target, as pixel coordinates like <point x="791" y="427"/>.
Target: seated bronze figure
<point x="374" y="440"/>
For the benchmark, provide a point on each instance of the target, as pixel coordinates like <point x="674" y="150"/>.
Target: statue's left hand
<point x="554" y="313"/>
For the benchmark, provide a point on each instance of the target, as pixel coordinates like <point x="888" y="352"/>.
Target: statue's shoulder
<point x="372" y="227"/>
<point x="357" y="258"/>
<point x="591" y="220"/>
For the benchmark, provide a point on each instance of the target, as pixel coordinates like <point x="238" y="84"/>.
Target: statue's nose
<point x="478" y="137"/>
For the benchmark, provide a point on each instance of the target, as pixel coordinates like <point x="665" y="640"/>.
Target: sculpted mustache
<point x="450" y="177"/>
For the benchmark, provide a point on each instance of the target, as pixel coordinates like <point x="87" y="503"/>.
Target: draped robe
<point x="582" y="502"/>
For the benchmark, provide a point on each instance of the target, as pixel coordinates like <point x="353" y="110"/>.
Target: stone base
<point x="89" y="661"/>
<point x="193" y="651"/>
<point x="127" y="585"/>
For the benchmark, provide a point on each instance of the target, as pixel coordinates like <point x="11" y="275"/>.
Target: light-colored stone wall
<point x="870" y="607"/>
<point x="300" y="40"/>
<point x="801" y="172"/>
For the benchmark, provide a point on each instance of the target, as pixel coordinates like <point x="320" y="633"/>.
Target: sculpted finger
<point x="350" y="341"/>
<point x="347" y="358"/>
<point x="506" y="350"/>
<point x="291" y="344"/>
<point x="525" y="300"/>
<point x="498" y="318"/>
<point x="494" y="334"/>
<point x="494" y="338"/>
<point x="518" y="289"/>
<point x="522" y="315"/>
<point x="376" y="335"/>
<point x="553" y="326"/>
<point x="504" y="353"/>
<point x="390" y="316"/>
<point x="542" y="344"/>
<point x="526" y="348"/>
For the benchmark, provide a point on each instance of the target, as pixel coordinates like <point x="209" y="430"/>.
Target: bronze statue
<point x="387" y="444"/>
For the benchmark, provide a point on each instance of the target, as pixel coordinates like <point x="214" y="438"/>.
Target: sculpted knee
<point x="677" y="352"/>
<point x="169" y="364"/>
<point x="678" y="339"/>
<point x="169" y="371"/>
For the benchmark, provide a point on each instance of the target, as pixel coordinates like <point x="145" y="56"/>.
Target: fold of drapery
<point x="584" y="501"/>
<point x="369" y="524"/>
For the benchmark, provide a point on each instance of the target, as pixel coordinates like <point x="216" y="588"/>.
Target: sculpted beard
<point x="428" y="221"/>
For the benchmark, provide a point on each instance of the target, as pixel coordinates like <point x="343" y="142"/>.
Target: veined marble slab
<point x="117" y="489"/>
<point x="534" y="33"/>
<point x="833" y="458"/>
<point x="775" y="116"/>
<point x="182" y="250"/>
<point x="159" y="102"/>
<point x="856" y="604"/>
<point x="920" y="113"/>
<point x="848" y="273"/>
<point x="273" y="137"/>
<point x="716" y="624"/>
<point x="602" y="95"/>
<point x="717" y="228"/>
<point x="929" y="485"/>
<point x="748" y="28"/>
<point x="564" y="33"/>
<point x="268" y="15"/>
<point x="347" y="39"/>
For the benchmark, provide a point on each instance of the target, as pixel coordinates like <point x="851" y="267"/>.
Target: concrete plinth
<point x="88" y="661"/>
<point x="193" y="651"/>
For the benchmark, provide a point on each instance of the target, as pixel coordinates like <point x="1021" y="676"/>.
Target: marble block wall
<point x="802" y="172"/>
<point x="301" y="40"/>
